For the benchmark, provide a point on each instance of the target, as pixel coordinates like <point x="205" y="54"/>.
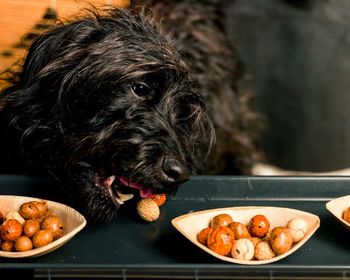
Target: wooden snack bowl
<point x="337" y="207"/>
<point x="191" y="224"/>
<point x="72" y="220"/>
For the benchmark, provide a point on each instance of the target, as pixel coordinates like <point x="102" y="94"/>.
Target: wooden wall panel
<point x="17" y="17"/>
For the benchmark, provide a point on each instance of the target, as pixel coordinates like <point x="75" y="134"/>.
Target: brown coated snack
<point x="239" y="229"/>
<point x="281" y="240"/>
<point x="221" y="220"/>
<point x="30" y="227"/>
<point x="23" y="243"/>
<point x="7" y="246"/>
<point x="202" y="236"/>
<point x="42" y="207"/>
<point x="54" y="224"/>
<point x="346" y="215"/>
<point x="259" y="226"/>
<point x="42" y="238"/>
<point x="29" y="210"/>
<point x="11" y="230"/>
<point x="220" y="240"/>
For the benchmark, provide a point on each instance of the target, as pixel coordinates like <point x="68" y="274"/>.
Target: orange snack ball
<point x="259" y="226"/>
<point x="30" y="227"/>
<point x="42" y="238"/>
<point x="23" y="243"/>
<point x="11" y="230"/>
<point x="281" y="240"/>
<point x="7" y="246"/>
<point x="240" y="230"/>
<point x="54" y="224"/>
<point x="42" y="207"/>
<point x="221" y="220"/>
<point x="220" y="240"/>
<point x="159" y="199"/>
<point x="29" y="210"/>
<point x="346" y="215"/>
<point x="202" y="236"/>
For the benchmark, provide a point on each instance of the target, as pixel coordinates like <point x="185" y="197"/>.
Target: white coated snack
<point x="243" y="249"/>
<point x="298" y="228"/>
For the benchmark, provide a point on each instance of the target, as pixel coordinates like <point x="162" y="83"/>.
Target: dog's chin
<point x="120" y="189"/>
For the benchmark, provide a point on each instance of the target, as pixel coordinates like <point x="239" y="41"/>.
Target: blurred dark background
<point x="297" y="61"/>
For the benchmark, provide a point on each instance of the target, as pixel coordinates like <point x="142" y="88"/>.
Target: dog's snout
<point x="174" y="171"/>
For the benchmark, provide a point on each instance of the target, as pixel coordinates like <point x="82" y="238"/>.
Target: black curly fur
<point x="100" y="96"/>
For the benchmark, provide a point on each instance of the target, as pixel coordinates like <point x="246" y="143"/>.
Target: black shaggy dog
<point x="108" y="106"/>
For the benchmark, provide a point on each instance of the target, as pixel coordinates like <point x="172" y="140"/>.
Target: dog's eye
<point x="141" y="89"/>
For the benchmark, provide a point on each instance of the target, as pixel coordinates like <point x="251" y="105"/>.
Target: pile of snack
<point x="149" y="208"/>
<point x="31" y="226"/>
<point x="346" y="215"/>
<point x="254" y="241"/>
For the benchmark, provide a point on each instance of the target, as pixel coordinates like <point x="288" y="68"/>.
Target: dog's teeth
<point x="125" y="197"/>
<point x="119" y="200"/>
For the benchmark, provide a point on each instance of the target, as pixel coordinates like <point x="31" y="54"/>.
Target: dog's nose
<point x="174" y="171"/>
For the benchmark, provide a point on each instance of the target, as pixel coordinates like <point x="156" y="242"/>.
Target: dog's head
<point x="107" y="105"/>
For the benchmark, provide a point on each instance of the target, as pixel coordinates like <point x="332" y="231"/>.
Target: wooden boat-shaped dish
<point x="191" y="224"/>
<point x="72" y="220"/>
<point x="337" y="207"/>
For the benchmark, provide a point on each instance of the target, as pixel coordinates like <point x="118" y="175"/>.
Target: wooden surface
<point x="18" y="17"/>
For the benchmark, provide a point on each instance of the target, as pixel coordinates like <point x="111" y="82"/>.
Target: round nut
<point x="281" y="240"/>
<point x="42" y="238"/>
<point x="54" y="224"/>
<point x="220" y="240"/>
<point x="23" y="243"/>
<point x="148" y="209"/>
<point x="259" y="226"/>
<point x="239" y="229"/>
<point x="29" y="210"/>
<point x="263" y="251"/>
<point x="221" y="220"/>
<point x="243" y="249"/>
<point x="30" y="227"/>
<point x="11" y="230"/>
<point x="298" y="228"/>
<point x="202" y="236"/>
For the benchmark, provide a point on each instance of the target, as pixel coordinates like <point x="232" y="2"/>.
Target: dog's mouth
<point x="121" y="189"/>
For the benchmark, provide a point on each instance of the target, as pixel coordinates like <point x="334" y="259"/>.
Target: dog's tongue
<point x="143" y="192"/>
